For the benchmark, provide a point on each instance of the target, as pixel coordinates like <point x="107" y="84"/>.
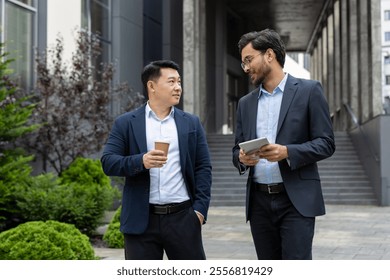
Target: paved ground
<point x="344" y="233"/>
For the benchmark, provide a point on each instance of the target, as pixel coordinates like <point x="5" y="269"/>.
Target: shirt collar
<point x="279" y="88"/>
<point x="149" y="112"/>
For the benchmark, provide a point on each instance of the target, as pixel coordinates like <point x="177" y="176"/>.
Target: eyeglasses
<point x="248" y="60"/>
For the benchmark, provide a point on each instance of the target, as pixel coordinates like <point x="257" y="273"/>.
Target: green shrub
<point x="113" y="237"/>
<point x="89" y="172"/>
<point x="42" y="199"/>
<point x="49" y="240"/>
<point x="86" y="171"/>
<point x="79" y="196"/>
<point x="91" y="187"/>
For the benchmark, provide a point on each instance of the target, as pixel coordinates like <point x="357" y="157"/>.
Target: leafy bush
<point x="41" y="199"/>
<point x="86" y="171"/>
<point x="113" y="237"/>
<point x="89" y="172"/>
<point x="80" y="196"/>
<point x="49" y="240"/>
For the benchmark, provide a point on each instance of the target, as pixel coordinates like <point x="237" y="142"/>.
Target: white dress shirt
<point x="166" y="183"/>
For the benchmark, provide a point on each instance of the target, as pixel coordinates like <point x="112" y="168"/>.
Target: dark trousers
<point x="178" y="234"/>
<point x="279" y="231"/>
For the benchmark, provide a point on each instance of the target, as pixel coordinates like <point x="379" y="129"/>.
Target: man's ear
<point x="151" y="86"/>
<point x="270" y="54"/>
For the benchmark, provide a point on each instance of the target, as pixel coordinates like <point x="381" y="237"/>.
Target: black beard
<point x="258" y="82"/>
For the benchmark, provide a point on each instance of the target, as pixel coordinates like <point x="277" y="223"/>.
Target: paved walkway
<point x="344" y="233"/>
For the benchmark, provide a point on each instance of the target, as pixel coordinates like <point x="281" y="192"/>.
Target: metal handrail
<point x="356" y="122"/>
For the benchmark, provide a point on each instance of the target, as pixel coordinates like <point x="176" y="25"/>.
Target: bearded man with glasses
<point x="283" y="189"/>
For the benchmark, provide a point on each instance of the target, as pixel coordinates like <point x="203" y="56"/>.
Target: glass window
<point x="96" y="19"/>
<point x="387" y="79"/>
<point x="27" y="2"/>
<point x="19" y="42"/>
<point x="100" y="19"/>
<point x="387" y="36"/>
<point x="387" y="15"/>
<point x="387" y="59"/>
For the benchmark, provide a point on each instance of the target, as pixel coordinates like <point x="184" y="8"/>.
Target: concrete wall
<point x="372" y="144"/>
<point x="385" y="159"/>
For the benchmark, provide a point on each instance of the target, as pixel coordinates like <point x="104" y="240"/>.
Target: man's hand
<point x="200" y="217"/>
<point x="273" y="152"/>
<point x="248" y="160"/>
<point x="154" y="159"/>
<point x="270" y="152"/>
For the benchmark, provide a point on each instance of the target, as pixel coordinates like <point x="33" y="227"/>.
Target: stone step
<point x="343" y="178"/>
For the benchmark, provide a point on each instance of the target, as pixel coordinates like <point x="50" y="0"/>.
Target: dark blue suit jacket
<point x="306" y="129"/>
<point x="122" y="156"/>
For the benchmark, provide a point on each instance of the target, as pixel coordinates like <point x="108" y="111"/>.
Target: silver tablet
<point x="252" y="146"/>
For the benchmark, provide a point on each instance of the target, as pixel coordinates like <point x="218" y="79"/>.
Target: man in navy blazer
<point x="165" y="197"/>
<point x="283" y="189"/>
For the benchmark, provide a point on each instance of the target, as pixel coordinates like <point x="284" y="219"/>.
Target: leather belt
<point x="169" y="208"/>
<point x="270" y="188"/>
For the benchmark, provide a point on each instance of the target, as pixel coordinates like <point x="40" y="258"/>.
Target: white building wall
<point x="63" y="18"/>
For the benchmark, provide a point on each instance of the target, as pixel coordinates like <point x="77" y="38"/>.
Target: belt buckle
<point x="162" y="210"/>
<point x="168" y="209"/>
<point x="269" y="189"/>
<point x="165" y="211"/>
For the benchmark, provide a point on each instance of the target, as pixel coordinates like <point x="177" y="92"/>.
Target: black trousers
<point x="279" y="231"/>
<point x="178" y="234"/>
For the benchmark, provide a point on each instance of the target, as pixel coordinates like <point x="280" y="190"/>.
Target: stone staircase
<point x="343" y="178"/>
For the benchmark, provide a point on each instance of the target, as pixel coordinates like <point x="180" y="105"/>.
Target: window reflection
<point x="96" y="19"/>
<point x="19" y="42"/>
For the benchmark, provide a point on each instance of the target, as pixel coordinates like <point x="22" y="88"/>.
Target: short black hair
<point x="263" y="40"/>
<point x="152" y="71"/>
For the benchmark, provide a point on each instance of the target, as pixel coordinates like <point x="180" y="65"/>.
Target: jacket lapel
<point x="252" y="107"/>
<point x="182" y="134"/>
<point x="288" y="96"/>
<point x="139" y="128"/>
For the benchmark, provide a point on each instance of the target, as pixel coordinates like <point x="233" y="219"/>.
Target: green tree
<point x="14" y="117"/>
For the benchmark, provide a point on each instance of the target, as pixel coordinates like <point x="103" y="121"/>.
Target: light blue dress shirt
<point x="268" y="110"/>
<point x="166" y="183"/>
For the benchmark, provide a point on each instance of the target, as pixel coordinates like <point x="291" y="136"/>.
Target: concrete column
<point x="353" y="36"/>
<point x="220" y="67"/>
<point x="194" y="57"/>
<point x="337" y="65"/>
<point x="324" y="60"/>
<point x="345" y="73"/>
<point x="376" y="64"/>
<point x="330" y="61"/>
<point x="365" y="95"/>
<point x="314" y="64"/>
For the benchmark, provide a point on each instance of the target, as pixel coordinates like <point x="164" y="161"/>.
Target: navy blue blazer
<point x="305" y="127"/>
<point x="122" y="156"/>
